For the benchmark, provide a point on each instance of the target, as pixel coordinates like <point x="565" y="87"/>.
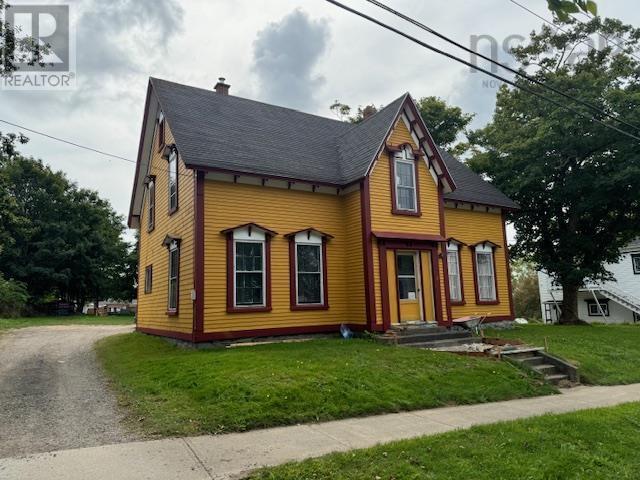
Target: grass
<point x="605" y="354"/>
<point x="178" y="391"/>
<point x="8" y="323"/>
<point x="594" y="444"/>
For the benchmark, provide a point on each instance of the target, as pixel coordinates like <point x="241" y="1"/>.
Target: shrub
<point x="13" y="298"/>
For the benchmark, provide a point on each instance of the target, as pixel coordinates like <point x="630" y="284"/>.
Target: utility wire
<point x="487" y="72"/>
<point x="106" y="154"/>
<point x="608" y="39"/>
<point x="502" y="65"/>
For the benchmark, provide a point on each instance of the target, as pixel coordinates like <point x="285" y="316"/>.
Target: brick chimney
<point x="221" y="87"/>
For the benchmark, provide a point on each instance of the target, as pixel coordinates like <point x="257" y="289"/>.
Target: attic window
<point x="405" y="186"/>
<point x="173" y="180"/>
<point x="161" y="136"/>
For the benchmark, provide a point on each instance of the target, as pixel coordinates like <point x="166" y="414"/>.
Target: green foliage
<point x="446" y="123"/>
<point x="18" y="48"/>
<point x="564" y="8"/>
<point x="605" y="354"/>
<point x="178" y="391"/>
<point x="576" y="181"/>
<point x="526" y="295"/>
<point x="60" y="240"/>
<point x="592" y="444"/>
<point x="343" y="112"/>
<point x="13" y="298"/>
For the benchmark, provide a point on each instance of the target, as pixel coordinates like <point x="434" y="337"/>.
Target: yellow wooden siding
<point x="152" y="307"/>
<point x="381" y="197"/>
<point x="285" y="211"/>
<point x="471" y="227"/>
<point x="393" y="287"/>
<point x="427" y="286"/>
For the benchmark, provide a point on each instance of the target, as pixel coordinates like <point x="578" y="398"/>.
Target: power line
<point x="487" y="72"/>
<point x="608" y="39"/>
<point x="495" y="62"/>
<point x="101" y="152"/>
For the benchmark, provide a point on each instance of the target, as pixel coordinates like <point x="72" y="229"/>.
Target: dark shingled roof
<point x="236" y="134"/>
<point x="471" y="187"/>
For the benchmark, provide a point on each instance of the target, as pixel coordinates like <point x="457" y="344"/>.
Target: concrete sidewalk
<point x="229" y="456"/>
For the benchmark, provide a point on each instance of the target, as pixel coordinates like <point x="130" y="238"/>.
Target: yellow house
<point x="257" y="220"/>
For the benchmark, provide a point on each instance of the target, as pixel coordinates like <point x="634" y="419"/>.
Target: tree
<point x="445" y="122"/>
<point x="564" y="8"/>
<point x="526" y="295"/>
<point x="66" y="242"/>
<point x="15" y="48"/>
<point x="577" y="181"/>
<point x="343" y="112"/>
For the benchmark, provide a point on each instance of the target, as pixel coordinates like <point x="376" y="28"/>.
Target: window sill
<point x="311" y="306"/>
<point x="407" y="213"/>
<point x="172" y="211"/>
<point x="151" y="229"/>
<point x="487" y="302"/>
<point x="457" y="303"/>
<point x="172" y="313"/>
<point x="248" y="309"/>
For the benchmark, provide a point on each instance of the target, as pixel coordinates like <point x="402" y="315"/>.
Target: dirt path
<point x="53" y="394"/>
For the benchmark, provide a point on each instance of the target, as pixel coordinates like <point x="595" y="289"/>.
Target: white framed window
<point x="405" y="180"/>
<point x="151" y="211"/>
<point x="635" y="260"/>
<point x="453" y="265"/>
<point x="485" y="274"/>
<point x="249" y="274"/>
<point x="594" y="310"/>
<point x="174" y="272"/>
<point x="173" y="180"/>
<point x="309" y="273"/>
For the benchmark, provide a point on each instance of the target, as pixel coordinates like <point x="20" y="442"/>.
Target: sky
<point x="301" y="54"/>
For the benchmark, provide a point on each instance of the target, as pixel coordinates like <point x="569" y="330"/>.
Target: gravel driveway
<point x="53" y="394"/>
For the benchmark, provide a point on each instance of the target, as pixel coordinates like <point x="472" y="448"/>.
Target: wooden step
<point x="546" y="369"/>
<point x="401" y="339"/>
<point x="450" y="342"/>
<point x="531" y="361"/>
<point x="556" y="378"/>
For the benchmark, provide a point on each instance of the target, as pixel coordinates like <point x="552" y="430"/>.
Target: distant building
<point x="111" y="307"/>
<point x="615" y="301"/>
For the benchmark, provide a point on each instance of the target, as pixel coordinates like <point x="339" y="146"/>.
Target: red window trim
<point x="392" y="173"/>
<point x="174" y="209"/>
<point x="293" y="279"/>
<point x="173" y="312"/>
<point x="231" y="281"/>
<point x="148" y="274"/>
<point x="458" y="303"/>
<point x="475" y="277"/>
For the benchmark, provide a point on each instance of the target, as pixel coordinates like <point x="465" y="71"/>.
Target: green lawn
<point x="7" y="323"/>
<point x="593" y="444"/>
<point x="606" y="354"/>
<point x="180" y="391"/>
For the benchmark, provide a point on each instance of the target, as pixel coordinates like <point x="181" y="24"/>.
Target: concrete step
<point x="521" y="353"/>
<point x="556" y="378"/>
<point x="422" y="337"/>
<point x="418" y="327"/>
<point x="531" y="361"/>
<point x="451" y="342"/>
<point x="546" y="369"/>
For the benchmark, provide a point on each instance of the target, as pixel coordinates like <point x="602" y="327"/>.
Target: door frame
<point x="417" y="274"/>
<point x="416" y="245"/>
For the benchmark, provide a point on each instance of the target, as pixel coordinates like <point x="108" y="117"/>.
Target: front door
<point x="409" y="295"/>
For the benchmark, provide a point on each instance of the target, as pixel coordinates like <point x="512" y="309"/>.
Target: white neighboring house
<point x="607" y="302"/>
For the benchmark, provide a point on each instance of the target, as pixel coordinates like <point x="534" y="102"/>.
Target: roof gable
<point x="231" y="134"/>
